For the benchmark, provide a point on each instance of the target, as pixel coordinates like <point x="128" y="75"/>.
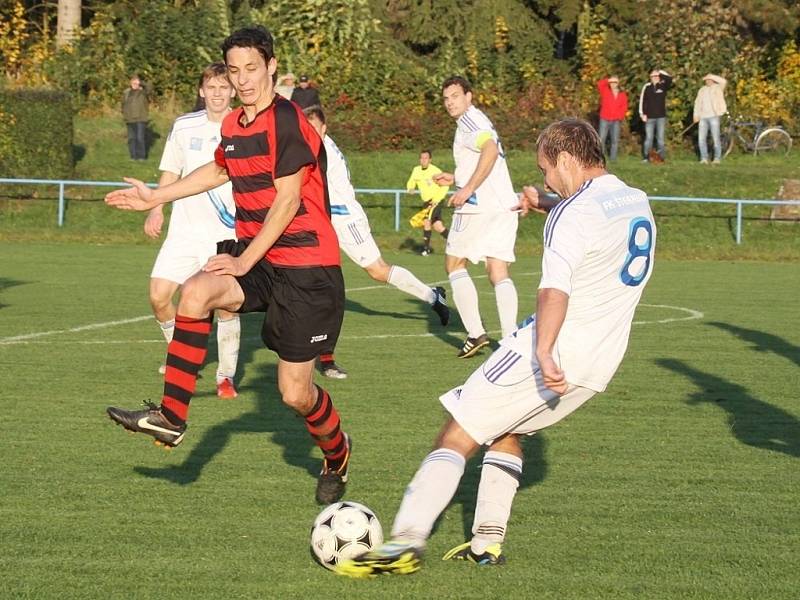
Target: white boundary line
<point x="692" y="315"/>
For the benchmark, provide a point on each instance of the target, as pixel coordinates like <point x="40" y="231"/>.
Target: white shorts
<point x="355" y="239"/>
<point x="477" y="237"/>
<point x="180" y="258"/>
<point x="506" y="394"/>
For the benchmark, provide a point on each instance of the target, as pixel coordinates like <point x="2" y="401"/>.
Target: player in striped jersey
<point x="284" y="264"/>
<point x="356" y="241"/>
<point x="598" y="256"/>
<point x="484" y="226"/>
<point x="198" y="222"/>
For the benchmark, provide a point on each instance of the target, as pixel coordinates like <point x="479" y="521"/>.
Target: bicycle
<point x="765" y="139"/>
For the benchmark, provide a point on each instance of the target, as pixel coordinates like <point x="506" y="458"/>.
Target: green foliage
<point x="35" y="133"/>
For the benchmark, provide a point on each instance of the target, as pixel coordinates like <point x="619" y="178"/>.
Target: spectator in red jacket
<point x="613" y="106"/>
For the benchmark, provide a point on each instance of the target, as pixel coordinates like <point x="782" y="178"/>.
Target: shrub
<point x="35" y="134"/>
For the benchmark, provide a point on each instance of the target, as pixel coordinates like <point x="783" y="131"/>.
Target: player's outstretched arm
<point x="551" y="308"/>
<point x="447" y="179"/>
<point x="140" y="197"/>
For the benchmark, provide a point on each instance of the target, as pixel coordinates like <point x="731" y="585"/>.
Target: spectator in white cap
<point x="709" y="106"/>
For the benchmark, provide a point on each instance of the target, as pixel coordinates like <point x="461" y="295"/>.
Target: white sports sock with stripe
<point x="428" y="495"/>
<point x="404" y="280"/>
<point x="500" y="477"/>
<point x="228" y="334"/>
<point x="465" y="297"/>
<point x="505" y="293"/>
<point x="167" y="329"/>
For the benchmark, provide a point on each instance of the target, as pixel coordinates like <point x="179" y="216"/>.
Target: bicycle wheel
<point x="775" y="141"/>
<point x="727" y="139"/>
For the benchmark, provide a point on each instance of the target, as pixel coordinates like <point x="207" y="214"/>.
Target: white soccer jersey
<point x="598" y="248"/>
<point x="496" y="193"/>
<point x="191" y="144"/>
<point x="344" y="206"/>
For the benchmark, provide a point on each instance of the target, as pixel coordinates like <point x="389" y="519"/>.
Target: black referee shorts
<point x="303" y="307"/>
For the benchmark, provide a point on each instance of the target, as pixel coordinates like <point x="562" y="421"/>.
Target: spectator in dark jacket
<point x="305" y="95"/>
<point x="613" y="107"/>
<point x="653" y="110"/>
<point x="135" y="113"/>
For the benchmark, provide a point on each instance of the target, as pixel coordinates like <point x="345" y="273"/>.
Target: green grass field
<point x="681" y="481"/>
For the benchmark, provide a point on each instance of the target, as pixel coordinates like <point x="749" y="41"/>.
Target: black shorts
<point x="303" y="307"/>
<point x="435" y="212"/>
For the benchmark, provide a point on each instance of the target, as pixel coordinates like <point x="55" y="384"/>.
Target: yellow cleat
<point x="391" y="558"/>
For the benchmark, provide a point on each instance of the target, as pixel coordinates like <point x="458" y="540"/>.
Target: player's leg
<point x="465" y="297"/>
<point x="315" y="405"/>
<point x="426" y="237"/>
<point x="228" y="339"/>
<point x="428" y="494"/>
<point x="501" y="471"/>
<point x="505" y="294"/>
<point x="200" y="294"/>
<point x="161" y="294"/>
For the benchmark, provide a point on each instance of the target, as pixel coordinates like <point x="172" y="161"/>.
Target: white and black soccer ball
<point x="344" y="530"/>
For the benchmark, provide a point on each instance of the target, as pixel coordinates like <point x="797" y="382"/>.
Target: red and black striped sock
<point x="185" y="355"/>
<point x="326" y="358"/>
<point x="323" y="425"/>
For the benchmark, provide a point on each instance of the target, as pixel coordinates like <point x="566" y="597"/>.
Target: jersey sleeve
<point x="219" y="156"/>
<point x="172" y="158"/>
<point x="293" y="151"/>
<point x="565" y="246"/>
<point x="412" y="179"/>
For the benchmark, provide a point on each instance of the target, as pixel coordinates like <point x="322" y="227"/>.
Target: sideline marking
<point x="692" y="315"/>
<point x="16" y="339"/>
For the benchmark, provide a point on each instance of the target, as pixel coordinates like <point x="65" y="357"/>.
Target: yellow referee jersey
<point x="423" y="179"/>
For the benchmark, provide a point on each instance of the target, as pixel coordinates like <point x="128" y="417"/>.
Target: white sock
<point x="228" y="333"/>
<point x="404" y="280"/>
<point x="500" y="477"/>
<point x="465" y="297"/>
<point x="507" y="305"/>
<point x="428" y="495"/>
<point x="167" y="328"/>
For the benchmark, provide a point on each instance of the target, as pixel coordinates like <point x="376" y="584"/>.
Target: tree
<point x="69" y="21"/>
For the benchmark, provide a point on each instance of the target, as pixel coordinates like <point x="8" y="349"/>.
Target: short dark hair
<point x="428" y="152"/>
<point x="315" y="110"/>
<point x="459" y="81"/>
<point x="574" y="136"/>
<point x="250" y="37"/>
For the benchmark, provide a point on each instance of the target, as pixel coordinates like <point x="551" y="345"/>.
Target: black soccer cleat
<point x="473" y="345"/>
<point x="439" y="305"/>
<point x="150" y="421"/>
<point x="331" y="484"/>
<point x="331" y="369"/>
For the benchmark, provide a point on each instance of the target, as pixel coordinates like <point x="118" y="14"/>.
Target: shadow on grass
<point x="762" y="342"/>
<point x="752" y="421"/>
<point x="270" y="416"/>
<point x="6" y="283"/>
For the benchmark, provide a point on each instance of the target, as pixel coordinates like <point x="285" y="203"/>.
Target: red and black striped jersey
<point x="277" y="143"/>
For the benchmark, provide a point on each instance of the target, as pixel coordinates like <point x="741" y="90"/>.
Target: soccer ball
<point x="344" y="530"/>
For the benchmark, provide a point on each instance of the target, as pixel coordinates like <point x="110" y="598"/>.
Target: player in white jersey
<point x="598" y="255"/>
<point x="355" y="238"/>
<point x="484" y="226"/>
<point x="197" y="223"/>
